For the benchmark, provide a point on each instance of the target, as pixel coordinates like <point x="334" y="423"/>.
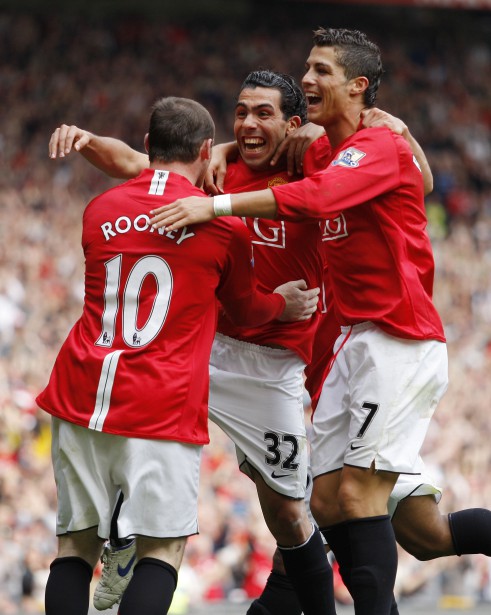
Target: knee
<point x="325" y="509"/>
<point x="289" y="523"/>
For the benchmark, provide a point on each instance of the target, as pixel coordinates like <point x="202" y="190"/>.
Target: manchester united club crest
<point x="276" y="181"/>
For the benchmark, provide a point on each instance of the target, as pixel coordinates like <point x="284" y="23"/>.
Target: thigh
<point x="256" y="398"/>
<point x="160" y="483"/>
<point x="395" y="385"/>
<point x="420" y="483"/>
<point x="331" y="419"/>
<point x="82" y="460"/>
<point x="421" y="529"/>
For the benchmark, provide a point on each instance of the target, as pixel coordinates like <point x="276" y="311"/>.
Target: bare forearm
<point x="257" y="204"/>
<point x="114" y="157"/>
<point x="195" y="209"/>
<point x="422" y="160"/>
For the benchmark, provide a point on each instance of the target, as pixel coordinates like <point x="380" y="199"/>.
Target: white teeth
<point x="253" y="141"/>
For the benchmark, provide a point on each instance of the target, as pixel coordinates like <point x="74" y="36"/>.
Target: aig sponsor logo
<point x="334" y="228"/>
<point x="268" y="233"/>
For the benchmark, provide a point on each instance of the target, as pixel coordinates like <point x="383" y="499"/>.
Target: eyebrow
<point x="318" y="64"/>
<point x="258" y="106"/>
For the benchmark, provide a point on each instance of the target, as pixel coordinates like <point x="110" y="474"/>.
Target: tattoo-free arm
<point x="112" y="156"/>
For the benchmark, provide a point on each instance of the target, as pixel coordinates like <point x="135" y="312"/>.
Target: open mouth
<point x="312" y="99"/>
<point x="253" y="144"/>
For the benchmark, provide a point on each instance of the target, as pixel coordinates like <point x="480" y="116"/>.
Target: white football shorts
<point x="377" y="401"/>
<point x="256" y="398"/>
<point x="413" y="485"/>
<point x="159" y="479"/>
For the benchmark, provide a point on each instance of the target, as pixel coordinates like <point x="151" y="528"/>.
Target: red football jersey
<point x="283" y="251"/>
<point x="136" y="362"/>
<point x="327" y="332"/>
<point x="379" y="254"/>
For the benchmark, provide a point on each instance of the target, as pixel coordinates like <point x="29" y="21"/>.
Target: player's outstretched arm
<point x="377" y="117"/>
<point x="197" y="209"/>
<point x="111" y="156"/>
<point x="221" y="155"/>
<point x="295" y="145"/>
<point x="301" y="302"/>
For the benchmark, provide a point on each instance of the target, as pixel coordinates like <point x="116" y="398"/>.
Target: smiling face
<point x="259" y="125"/>
<point x="325" y="86"/>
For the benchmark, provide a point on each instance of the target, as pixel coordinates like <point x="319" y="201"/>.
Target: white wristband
<point x="222" y="205"/>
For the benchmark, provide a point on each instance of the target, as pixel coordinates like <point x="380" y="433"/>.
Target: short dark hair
<point x="178" y="127"/>
<point x="292" y="98"/>
<point x="358" y="56"/>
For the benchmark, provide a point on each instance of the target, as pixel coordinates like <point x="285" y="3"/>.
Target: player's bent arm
<point x="300" y="301"/>
<point x="295" y="145"/>
<point x="111" y="156"/>
<point x="196" y="209"/>
<point x="290" y="302"/>
<point x="114" y="157"/>
<point x="221" y="155"/>
<point x="422" y="161"/>
<point x="374" y="117"/>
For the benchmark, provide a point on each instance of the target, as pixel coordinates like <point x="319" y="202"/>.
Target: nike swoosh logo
<point x="124" y="571"/>
<point x="274" y="475"/>
<point x="353" y="448"/>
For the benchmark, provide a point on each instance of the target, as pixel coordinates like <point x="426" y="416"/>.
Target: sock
<point x="337" y="537"/>
<point x="151" y="588"/>
<point x="311" y="575"/>
<point x="278" y="597"/>
<point x="373" y="564"/>
<point x="68" y="587"/>
<point x="256" y="608"/>
<point x="471" y="531"/>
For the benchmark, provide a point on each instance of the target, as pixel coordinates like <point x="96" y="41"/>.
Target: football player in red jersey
<point x="391" y="363"/>
<point x="259" y="128"/>
<point x="129" y="408"/>
<point x="256" y="373"/>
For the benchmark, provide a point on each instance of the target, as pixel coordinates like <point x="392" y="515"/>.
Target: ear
<point x="145" y="142"/>
<point x="205" y="149"/>
<point x="358" y="85"/>
<point x="293" y="123"/>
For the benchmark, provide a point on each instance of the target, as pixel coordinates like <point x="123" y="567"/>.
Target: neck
<point x="343" y="126"/>
<point x="188" y="170"/>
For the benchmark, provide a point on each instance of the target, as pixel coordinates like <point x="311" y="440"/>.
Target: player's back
<point x="136" y="362"/>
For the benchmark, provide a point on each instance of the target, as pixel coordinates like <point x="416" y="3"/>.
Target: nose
<point x="307" y="79"/>
<point x="249" y="121"/>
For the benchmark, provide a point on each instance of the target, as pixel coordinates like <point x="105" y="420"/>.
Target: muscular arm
<point x="245" y="304"/>
<point x="374" y="117"/>
<point x="422" y="160"/>
<point x="110" y="155"/>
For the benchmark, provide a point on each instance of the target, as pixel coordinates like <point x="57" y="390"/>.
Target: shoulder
<point x="371" y="144"/>
<point x="380" y="136"/>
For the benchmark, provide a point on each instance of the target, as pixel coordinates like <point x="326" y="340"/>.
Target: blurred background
<point x="100" y="65"/>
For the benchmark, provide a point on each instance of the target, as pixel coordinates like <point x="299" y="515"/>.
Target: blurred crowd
<point x="104" y="75"/>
